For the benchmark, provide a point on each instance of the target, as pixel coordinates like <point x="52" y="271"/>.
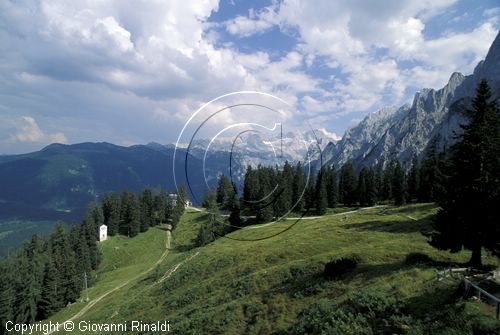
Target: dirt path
<point x="313" y="217"/>
<point x="178" y="265"/>
<point x="96" y="300"/>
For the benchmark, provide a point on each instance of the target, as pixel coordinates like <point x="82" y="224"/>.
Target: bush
<point x="338" y="267"/>
<point x="326" y="317"/>
<point x="418" y="258"/>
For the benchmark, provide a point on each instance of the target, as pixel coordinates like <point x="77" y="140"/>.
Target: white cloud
<point x="254" y="23"/>
<point x="29" y="131"/>
<point x="126" y="70"/>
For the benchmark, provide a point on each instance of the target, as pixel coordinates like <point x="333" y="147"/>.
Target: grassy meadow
<point x="268" y="285"/>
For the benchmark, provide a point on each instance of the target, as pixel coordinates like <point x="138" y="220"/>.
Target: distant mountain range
<point x="398" y="133"/>
<point x="59" y="181"/>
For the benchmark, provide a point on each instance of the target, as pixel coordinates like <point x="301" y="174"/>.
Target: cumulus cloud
<point x="367" y="42"/>
<point x="29" y="131"/>
<point x="133" y="71"/>
<point x="256" y="22"/>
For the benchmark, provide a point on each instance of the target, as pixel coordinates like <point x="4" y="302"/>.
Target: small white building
<point x="103" y="232"/>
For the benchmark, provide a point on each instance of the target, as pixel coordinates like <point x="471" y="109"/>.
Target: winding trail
<point x="93" y="302"/>
<point x="313" y="217"/>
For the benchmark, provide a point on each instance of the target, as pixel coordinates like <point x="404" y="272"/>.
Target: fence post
<point x="498" y="310"/>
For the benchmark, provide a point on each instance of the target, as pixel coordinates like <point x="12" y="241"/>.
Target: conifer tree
<point x="283" y="202"/>
<point x="225" y="191"/>
<point x="235" y="215"/>
<point x="366" y="187"/>
<point x="210" y="229"/>
<point x="160" y="208"/>
<point x="50" y="299"/>
<point x="331" y="186"/>
<point x="414" y="179"/>
<point x="469" y="204"/>
<point x="321" y="202"/>
<point x="111" y="212"/>
<point x="298" y="188"/>
<point x="398" y="184"/>
<point x="387" y="179"/>
<point x="265" y="195"/>
<point x="146" y="209"/>
<point x="129" y="215"/>
<point x="7" y="292"/>
<point x="348" y="185"/>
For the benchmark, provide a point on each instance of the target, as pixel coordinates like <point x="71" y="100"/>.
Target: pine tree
<point x="235" y="215"/>
<point x="398" y="184"/>
<point x="179" y="207"/>
<point x="265" y="195"/>
<point x="210" y="230"/>
<point x="414" y="179"/>
<point x="379" y="182"/>
<point x="348" y="185"/>
<point x="431" y="174"/>
<point x="146" y="209"/>
<point x="50" y="300"/>
<point x="129" y="215"/>
<point x="251" y="189"/>
<point x="387" y="179"/>
<point x="65" y="261"/>
<point x="366" y="187"/>
<point x="225" y="191"/>
<point x="331" y="186"/>
<point x="283" y="202"/>
<point x="298" y="188"/>
<point x="160" y="208"/>
<point x="469" y="215"/>
<point x="321" y="194"/>
<point x="111" y="212"/>
<point x="7" y="292"/>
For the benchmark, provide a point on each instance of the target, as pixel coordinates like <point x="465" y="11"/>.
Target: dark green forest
<point x="48" y="273"/>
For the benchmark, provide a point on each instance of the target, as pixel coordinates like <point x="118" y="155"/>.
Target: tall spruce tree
<point x="469" y="214"/>
<point x="111" y="212"/>
<point x="235" y="215"/>
<point x="414" y="179"/>
<point x="348" y="185"/>
<point x="321" y="202"/>
<point x="283" y="202"/>
<point x="7" y="292"/>
<point x="332" y="191"/>
<point x="265" y="196"/>
<point x="298" y="188"/>
<point x="224" y="194"/>
<point x="431" y="173"/>
<point x="366" y="187"/>
<point x="146" y="209"/>
<point x="50" y="300"/>
<point x="398" y="184"/>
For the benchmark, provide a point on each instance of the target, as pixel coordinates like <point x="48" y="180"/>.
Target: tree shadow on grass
<point x="411" y="209"/>
<point x="404" y="226"/>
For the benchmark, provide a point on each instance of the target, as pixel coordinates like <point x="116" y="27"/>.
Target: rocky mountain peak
<point x="398" y="133"/>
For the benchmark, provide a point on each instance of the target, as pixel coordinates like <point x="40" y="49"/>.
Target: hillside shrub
<point x="326" y="317"/>
<point x="338" y="267"/>
<point x="418" y="258"/>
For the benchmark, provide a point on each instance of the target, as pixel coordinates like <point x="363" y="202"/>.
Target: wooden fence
<point x="480" y="293"/>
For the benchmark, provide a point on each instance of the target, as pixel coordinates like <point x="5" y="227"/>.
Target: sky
<point x="134" y="71"/>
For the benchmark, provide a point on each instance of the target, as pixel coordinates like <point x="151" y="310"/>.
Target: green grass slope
<point x="262" y="287"/>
